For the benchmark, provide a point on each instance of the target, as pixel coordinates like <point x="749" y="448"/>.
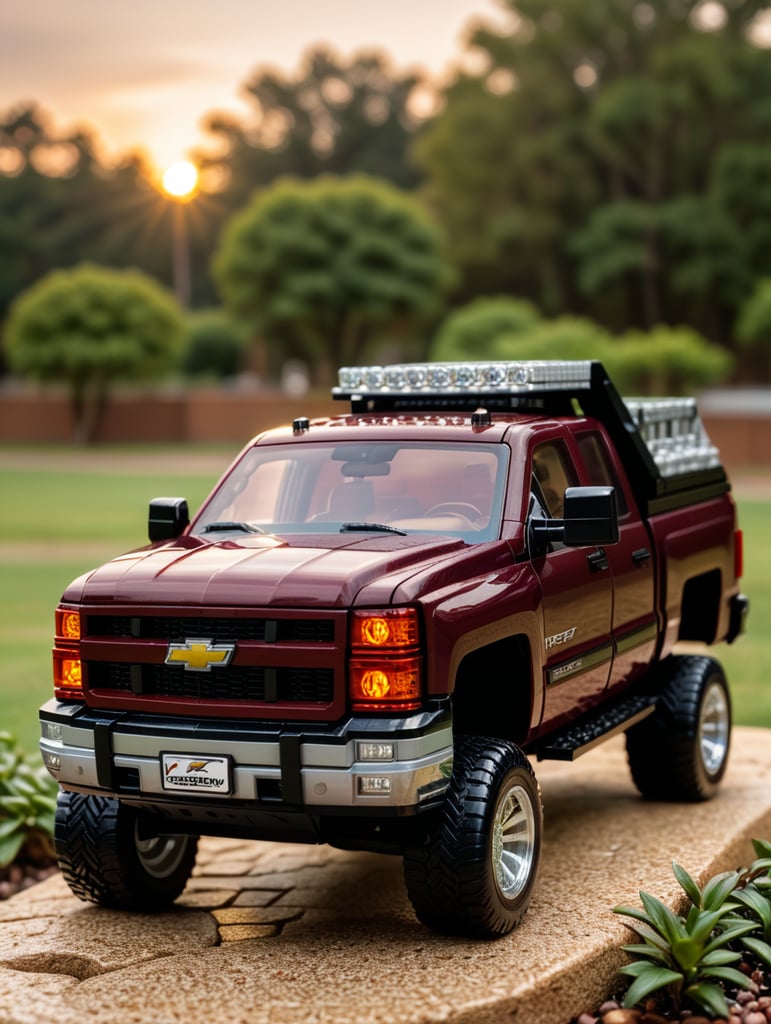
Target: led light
<point x="386" y="628"/>
<point x="374" y="684"/>
<point x="52" y="731"/>
<point x="374" y="785"/>
<point x="67" y="624"/>
<point x="469" y="377"/>
<point x="416" y="376"/>
<point x="465" y="376"/>
<point x="374" y="751"/>
<point x="392" y="684"/>
<point x="439" y="377"/>
<point x="53" y="762"/>
<point x="68" y="671"/>
<point x="396" y="378"/>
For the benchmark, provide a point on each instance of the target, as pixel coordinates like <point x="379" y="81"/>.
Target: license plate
<point x="196" y="773"/>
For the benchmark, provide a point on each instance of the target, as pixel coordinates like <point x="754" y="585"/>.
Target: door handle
<point x="640" y="555"/>
<point x="598" y="560"/>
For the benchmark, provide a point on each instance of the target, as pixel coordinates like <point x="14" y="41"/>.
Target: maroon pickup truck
<point x="376" y="621"/>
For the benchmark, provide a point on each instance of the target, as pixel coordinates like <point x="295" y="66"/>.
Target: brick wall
<point x="213" y="415"/>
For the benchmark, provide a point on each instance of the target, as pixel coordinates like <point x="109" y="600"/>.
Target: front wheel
<point x="475" y="871"/>
<point x="681" y="751"/>
<point x="109" y="855"/>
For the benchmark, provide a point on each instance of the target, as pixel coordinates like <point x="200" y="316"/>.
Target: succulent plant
<point x="689" y="956"/>
<point x="27" y="803"/>
<point x="752" y="895"/>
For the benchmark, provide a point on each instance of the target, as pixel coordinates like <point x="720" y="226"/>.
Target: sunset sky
<point x="141" y="73"/>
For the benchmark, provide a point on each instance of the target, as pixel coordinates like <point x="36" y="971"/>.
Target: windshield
<point x="319" y="488"/>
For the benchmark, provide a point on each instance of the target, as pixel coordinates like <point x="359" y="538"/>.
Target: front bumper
<point x="321" y="769"/>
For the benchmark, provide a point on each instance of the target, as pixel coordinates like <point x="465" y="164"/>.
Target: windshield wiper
<point x="370" y="527"/>
<point x="230" y="525"/>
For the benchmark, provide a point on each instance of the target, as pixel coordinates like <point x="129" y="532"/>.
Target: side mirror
<point x="167" y="519"/>
<point x="590" y="518"/>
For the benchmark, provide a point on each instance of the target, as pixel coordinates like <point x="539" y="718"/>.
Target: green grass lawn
<point x="58" y="523"/>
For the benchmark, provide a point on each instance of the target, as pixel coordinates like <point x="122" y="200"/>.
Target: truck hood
<point x="308" y="570"/>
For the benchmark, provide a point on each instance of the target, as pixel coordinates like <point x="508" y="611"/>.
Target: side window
<point x="598" y="466"/>
<point x="554" y="472"/>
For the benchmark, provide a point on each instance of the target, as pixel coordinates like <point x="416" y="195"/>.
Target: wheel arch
<point x="700" y="607"/>
<point x="488" y="702"/>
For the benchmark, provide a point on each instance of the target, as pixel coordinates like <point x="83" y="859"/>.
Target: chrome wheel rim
<point x="160" y="856"/>
<point x="714" y="728"/>
<point x="513" y="841"/>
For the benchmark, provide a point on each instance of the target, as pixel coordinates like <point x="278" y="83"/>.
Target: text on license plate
<point x="196" y="773"/>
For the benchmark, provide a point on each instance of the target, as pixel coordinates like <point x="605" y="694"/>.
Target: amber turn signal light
<point x="68" y="668"/>
<point x="387" y="629"/>
<point x="391" y="684"/>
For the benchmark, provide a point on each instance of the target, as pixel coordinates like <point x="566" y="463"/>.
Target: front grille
<point x="218" y="629"/>
<point x="236" y="683"/>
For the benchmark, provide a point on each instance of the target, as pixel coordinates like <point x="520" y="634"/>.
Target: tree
<point x="87" y="328"/>
<point x="753" y="327"/>
<point x="666" y="360"/>
<point x="609" y="160"/>
<point x="59" y="206"/>
<point x="321" y="269"/>
<point x="332" y="116"/>
<point x="472" y="331"/>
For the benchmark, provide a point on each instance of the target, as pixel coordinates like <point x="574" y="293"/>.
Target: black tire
<point x="108" y="856"/>
<point x="468" y="877"/>
<point x="681" y="751"/>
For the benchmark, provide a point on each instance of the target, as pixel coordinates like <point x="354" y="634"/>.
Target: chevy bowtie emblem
<point x="199" y="655"/>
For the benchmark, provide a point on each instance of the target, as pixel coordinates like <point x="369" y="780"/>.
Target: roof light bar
<point x="464" y="378"/>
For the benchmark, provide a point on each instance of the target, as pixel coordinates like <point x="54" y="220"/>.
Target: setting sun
<point x="180" y="179"/>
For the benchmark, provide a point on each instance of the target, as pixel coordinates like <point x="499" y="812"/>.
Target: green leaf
<point x="706" y="924"/>
<point x="662" y="918"/>
<point x="734" y="932"/>
<point x="708" y="997"/>
<point x="13" y="805"/>
<point x="692" y="890"/>
<point x="759" y="948"/>
<point x="651" y="980"/>
<point x="728" y="974"/>
<point x="720" y="956"/>
<point x="757" y="903"/>
<point x="761" y="847"/>
<point x="9" y="826"/>
<point x="635" y="969"/>
<point x="718" y="889"/>
<point x="686" y="953"/>
<point x="651" y="952"/>
<point x="635" y="912"/>
<point x="10" y="846"/>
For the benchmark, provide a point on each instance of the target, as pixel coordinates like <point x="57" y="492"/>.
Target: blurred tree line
<point x="605" y="162"/>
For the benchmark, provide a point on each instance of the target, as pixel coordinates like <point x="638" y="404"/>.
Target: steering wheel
<point x="455" y="508"/>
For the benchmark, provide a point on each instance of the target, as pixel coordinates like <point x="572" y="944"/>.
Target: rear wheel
<point x="475" y="871"/>
<point x="109" y="855"/>
<point x="681" y="751"/>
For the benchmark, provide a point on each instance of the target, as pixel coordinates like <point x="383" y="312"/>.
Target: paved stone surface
<point x="267" y="933"/>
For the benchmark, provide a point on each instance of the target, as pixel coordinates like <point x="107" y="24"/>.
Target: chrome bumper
<point x="399" y="764"/>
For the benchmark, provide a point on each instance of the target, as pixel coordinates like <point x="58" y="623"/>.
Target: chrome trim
<point x="329" y="772"/>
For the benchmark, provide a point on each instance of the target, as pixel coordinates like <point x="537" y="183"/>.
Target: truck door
<point x="577" y="590"/>
<point x="631" y="564"/>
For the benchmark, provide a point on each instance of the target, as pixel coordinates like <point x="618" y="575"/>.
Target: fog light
<point x="374" y="785"/>
<point x="53" y="762"/>
<point x="374" y="752"/>
<point x="52" y="731"/>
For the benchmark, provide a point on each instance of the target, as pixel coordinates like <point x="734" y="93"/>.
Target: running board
<point x="576" y="739"/>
